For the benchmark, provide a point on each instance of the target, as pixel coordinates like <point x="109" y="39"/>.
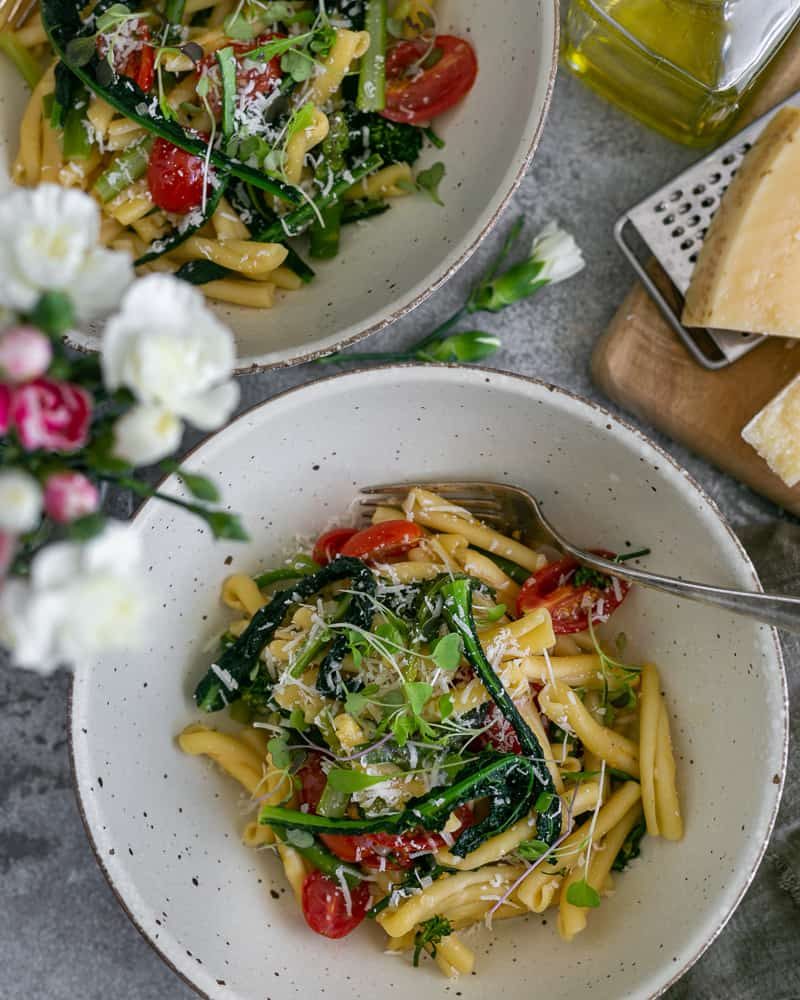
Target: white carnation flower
<point x="146" y="434"/>
<point x="48" y="242"/>
<point x="174" y="355"/>
<point x="81" y="599"/>
<point x="558" y="252"/>
<point x="20" y="502"/>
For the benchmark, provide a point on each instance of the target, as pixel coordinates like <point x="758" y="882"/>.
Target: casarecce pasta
<point x="214" y="132"/>
<point x="434" y="731"/>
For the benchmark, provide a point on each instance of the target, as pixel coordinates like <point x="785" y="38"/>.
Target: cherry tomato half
<point x="330" y="545"/>
<point x="569" y="605"/>
<point x="389" y="538"/>
<point x="326" y="908"/>
<point x="175" y="177"/>
<point x="253" y="77"/>
<point x="418" y="99"/>
<point x="139" y="65"/>
<point x="500" y="734"/>
<point x="312" y="781"/>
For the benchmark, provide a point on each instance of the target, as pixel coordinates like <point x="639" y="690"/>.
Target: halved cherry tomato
<point x="569" y="605"/>
<point x="326" y="909"/>
<point x="500" y="735"/>
<point x="312" y="781"/>
<point x="389" y="538"/>
<point x="139" y="66"/>
<point x="419" y="98"/>
<point x="257" y="77"/>
<point x="175" y="178"/>
<point x="330" y="544"/>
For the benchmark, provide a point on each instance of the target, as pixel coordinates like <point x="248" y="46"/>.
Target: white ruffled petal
<point x="210" y="410"/>
<point x="146" y="434"/>
<point x="101" y="281"/>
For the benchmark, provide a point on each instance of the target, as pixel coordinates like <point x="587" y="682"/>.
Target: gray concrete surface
<point x="62" y="934"/>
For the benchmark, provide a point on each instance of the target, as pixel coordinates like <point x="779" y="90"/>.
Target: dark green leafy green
<point x="631" y="848"/>
<point x="430" y="934"/>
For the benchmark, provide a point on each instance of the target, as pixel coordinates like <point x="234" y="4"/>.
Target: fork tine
<point x="475" y="496"/>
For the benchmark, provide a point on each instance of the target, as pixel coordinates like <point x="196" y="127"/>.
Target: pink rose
<point x="5" y="408"/>
<point x="52" y="415"/>
<point x="68" y="496"/>
<point x="25" y="353"/>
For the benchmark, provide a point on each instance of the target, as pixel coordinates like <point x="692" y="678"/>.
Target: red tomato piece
<point x="326" y="907"/>
<point x="569" y="605"/>
<point x="312" y="781"/>
<point x="419" y="98"/>
<point x="389" y="538"/>
<point x="176" y="178"/>
<point x="330" y="545"/>
<point x="500" y="735"/>
<point x="258" y="77"/>
<point x="138" y="65"/>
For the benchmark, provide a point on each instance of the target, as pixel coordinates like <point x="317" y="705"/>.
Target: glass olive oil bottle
<point x="681" y="66"/>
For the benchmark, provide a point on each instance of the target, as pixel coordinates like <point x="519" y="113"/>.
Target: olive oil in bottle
<point x="680" y="66"/>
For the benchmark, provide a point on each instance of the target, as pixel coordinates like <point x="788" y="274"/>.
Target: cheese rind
<point x="747" y="275"/>
<point x="774" y="432"/>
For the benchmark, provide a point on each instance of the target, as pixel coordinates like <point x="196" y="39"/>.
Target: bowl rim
<point x="614" y="418"/>
<point x="443" y="276"/>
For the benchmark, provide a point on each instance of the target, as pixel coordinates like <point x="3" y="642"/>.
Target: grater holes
<point x="715" y="178"/>
<point x="745" y="148"/>
<point x="707" y="202"/>
<point x="694" y="221"/>
<point x="702" y="233"/>
<point x="685" y="207"/>
<point x="668" y="219"/>
<point x="693" y="258"/>
<point x="676" y="195"/>
<point x="687" y="244"/>
<point x="723" y="189"/>
<point x="698" y="189"/>
<point x="729" y="159"/>
<point x="660" y="207"/>
<point x="677" y="231"/>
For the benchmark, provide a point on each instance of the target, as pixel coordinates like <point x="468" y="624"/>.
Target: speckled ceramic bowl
<point x="166" y="827"/>
<point x="391" y="264"/>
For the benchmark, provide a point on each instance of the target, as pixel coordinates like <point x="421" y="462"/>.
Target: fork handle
<point x="772" y="609"/>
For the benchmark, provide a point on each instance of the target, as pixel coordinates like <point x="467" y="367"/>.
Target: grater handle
<point x="778" y="610"/>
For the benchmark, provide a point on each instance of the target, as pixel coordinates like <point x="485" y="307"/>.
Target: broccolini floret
<point x="394" y="142"/>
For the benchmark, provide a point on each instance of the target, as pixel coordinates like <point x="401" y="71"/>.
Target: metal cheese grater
<point x="670" y="225"/>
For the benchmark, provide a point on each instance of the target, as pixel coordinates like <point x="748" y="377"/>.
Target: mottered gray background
<point x="62" y="934"/>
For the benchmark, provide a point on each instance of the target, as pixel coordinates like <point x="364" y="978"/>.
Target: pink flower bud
<point x="68" y="496"/>
<point x="51" y="415"/>
<point x="25" y="353"/>
<point x="5" y="408"/>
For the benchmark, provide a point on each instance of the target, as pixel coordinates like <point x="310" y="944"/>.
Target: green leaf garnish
<point x="431" y="933"/>
<point x="348" y="781"/>
<point x="445" y="706"/>
<point x="199" y="486"/>
<point x="279" y="752"/>
<point x="447" y="653"/>
<point x="532" y="850"/>
<point x="418" y="694"/>
<point x="430" y="179"/>
<point x="583" y="895"/>
<point x="297" y="719"/>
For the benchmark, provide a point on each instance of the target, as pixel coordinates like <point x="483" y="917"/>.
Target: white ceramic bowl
<point x="391" y="264"/>
<point x="166" y="827"/>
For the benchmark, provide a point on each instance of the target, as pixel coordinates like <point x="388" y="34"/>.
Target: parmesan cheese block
<point x="775" y="433"/>
<point x="748" y="273"/>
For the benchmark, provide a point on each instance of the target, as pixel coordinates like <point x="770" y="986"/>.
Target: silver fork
<point x="511" y="508"/>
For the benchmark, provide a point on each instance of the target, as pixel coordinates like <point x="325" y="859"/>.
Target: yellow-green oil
<point x="671" y="63"/>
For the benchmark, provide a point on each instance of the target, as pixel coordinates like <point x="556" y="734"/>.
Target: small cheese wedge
<point x="774" y="432"/>
<point x="747" y="276"/>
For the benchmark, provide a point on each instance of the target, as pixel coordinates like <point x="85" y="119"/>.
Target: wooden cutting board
<point x="642" y="365"/>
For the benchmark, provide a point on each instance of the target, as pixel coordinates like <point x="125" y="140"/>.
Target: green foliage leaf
<point x="297" y="720"/>
<point x="445" y="706"/>
<point x="348" y="781"/>
<point x="543" y="802"/>
<point x="303" y="118"/>
<point x="53" y="313"/>
<point x="462" y="348"/>
<point x="430" y="179"/>
<point x="87" y="527"/>
<point x="532" y="850"/>
<point x="418" y="694"/>
<point x="278" y="750"/>
<point x="431" y="933"/>
<point x="583" y="895"/>
<point x="199" y="486"/>
<point x="496" y="613"/>
<point x="81" y="50"/>
<point x="357" y="701"/>
<point x="224" y="525"/>
<point x="237" y="26"/>
<point x="447" y="652"/>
